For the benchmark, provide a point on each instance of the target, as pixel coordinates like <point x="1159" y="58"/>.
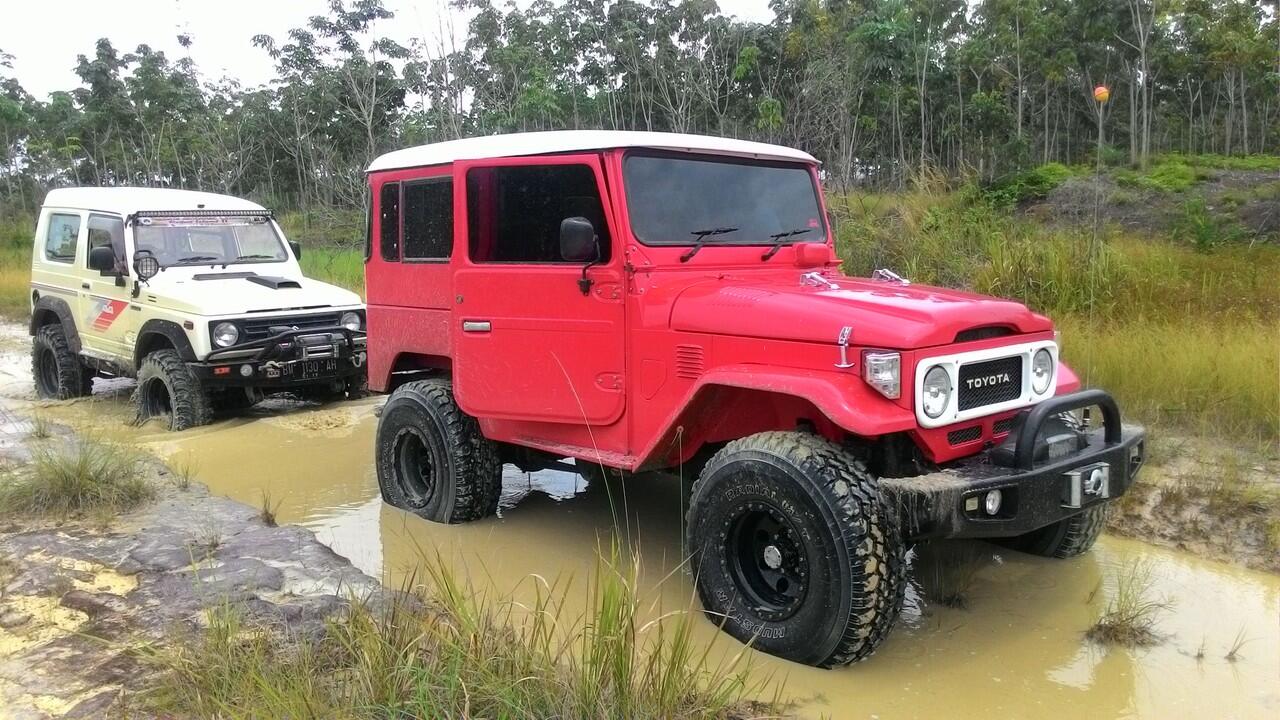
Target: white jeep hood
<point x="224" y="292"/>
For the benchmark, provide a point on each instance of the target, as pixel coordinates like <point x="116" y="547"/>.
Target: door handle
<point x="476" y="326"/>
<point x="84" y="285"/>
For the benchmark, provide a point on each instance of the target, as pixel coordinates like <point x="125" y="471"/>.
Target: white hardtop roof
<point x="129" y="200"/>
<point x="561" y="141"/>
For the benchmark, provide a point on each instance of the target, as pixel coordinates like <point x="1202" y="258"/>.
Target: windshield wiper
<point x="702" y="236"/>
<point x="255" y="257"/>
<point x="195" y="259"/>
<point x="777" y="239"/>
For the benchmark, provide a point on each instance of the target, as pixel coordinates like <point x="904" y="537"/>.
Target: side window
<point x="514" y="213"/>
<point x="60" y="238"/>
<point x="389" y="222"/>
<point x="108" y="231"/>
<point x="428" y="220"/>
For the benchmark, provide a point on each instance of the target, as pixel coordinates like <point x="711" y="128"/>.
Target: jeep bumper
<point x="288" y="359"/>
<point x="1023" y="485"/>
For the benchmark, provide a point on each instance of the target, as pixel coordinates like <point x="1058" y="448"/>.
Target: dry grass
<point x="41" y="429"/>
<point x="1132" y="609"/>
<point x="269" y="509"/>
<point x="1233" y="652"/>
<point x="78" y="477"/>
<point x="448" y="652"/>
<point x="184" y="471"/>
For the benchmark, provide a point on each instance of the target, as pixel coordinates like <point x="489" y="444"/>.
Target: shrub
<point x="1202" y="229"/>
<point x="82" y="476"/>
<point x="1032" y="184"/>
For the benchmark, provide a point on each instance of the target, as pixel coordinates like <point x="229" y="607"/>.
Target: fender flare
<point x="45" y="304"/>
<point x="172" y="331"/>
<point x="842" y="398"/>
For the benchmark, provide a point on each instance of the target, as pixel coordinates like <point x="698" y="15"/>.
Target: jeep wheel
<point x="1065" y="538"/>
<point x="794" y="550"/>
<point x="432" y="459"/>
<point x="166" y="387"/>
<point x="57" y="371"/>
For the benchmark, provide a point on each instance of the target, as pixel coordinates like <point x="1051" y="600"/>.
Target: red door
<point x="529" y="344"/>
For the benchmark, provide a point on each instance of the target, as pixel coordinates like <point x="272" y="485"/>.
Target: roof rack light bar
<point x="203" y="213"/>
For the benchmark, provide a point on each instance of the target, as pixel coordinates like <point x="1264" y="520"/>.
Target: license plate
<point x="311" y="369"/>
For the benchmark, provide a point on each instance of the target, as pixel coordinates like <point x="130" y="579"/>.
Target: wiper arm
<point x="777" y="239"/>
<point x="195" y="259"/>
<point x="701" y="239"/>
<point x="255" y="257"/>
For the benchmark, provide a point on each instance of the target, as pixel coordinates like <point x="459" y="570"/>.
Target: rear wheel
<point x="168" y="388"/>
<point x="432" y="459"/>
<point x="58" y="373"/>
<point x="794" y="549"/>
<point x="1065" y="538"/>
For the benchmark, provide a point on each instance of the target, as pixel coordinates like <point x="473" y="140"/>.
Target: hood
<point x="882" y="314"/>
<point x="227" y="292"/>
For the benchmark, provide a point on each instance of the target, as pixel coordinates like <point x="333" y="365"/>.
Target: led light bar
<point x="198" y="214"/>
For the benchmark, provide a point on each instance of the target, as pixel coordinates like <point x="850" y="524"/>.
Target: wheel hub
<point x="772" y="557"/>
<point x="767" y="561"/>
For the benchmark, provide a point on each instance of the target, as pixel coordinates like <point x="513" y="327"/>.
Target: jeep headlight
<point x="935" y="393"/>
<point x="1041" y="371"/>
<point x="883" y="371"/>
<point x="225" y="334"/>
<point x="351" y="321"/>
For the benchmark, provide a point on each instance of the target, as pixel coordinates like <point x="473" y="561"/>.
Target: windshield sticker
<point x="203" y="221"/>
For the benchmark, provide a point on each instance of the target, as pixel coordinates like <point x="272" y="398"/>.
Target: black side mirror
<point x="145" y="264"/>
<point x="578" y="240"/>
<point x="297" y="250"/>
<point x="103" y="259"/>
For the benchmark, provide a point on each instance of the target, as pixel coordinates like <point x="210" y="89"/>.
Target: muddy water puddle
<point x="986" y="632"/>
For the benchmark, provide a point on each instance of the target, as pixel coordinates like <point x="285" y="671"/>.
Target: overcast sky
<point x="44" y="36"/>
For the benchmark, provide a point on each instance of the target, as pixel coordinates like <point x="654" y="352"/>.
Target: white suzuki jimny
<point x="194" y="294"/>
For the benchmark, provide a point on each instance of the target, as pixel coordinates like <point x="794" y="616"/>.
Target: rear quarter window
<point x="60" y="237"/>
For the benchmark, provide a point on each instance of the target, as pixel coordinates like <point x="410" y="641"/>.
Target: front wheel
<point x="167" y="389"/>
<point x="794" y="549"/>
<point x="1065" y="538"/>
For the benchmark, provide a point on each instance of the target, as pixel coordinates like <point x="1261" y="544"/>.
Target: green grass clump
<point x="1225" y="162"/>
<point x="1202" y="229"/>
<point x="1027" y="185"/>
<point x="451" y="653"/>
<point x="337" y="266"/>
<point x="1132" y="609"/>
<point x="1172" y="176"/>
<point x="78" y="477"/>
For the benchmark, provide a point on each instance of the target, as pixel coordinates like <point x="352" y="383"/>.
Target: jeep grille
<point x="985" y="383"/>
<point x="260" y="328"/>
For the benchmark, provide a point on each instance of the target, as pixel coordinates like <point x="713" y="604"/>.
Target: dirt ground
<point x="82" y="598"/>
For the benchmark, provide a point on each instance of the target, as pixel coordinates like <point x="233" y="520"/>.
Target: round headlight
<point x="225" y="334"/>
<point x="1041" y="371"/>
<point x="351" y="321"/>
<point x="936" y="392"/>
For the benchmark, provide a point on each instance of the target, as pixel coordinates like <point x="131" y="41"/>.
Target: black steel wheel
<point x="57" y="372"/>
<point x="794" y="550"/>
<point x="168" y="389"/>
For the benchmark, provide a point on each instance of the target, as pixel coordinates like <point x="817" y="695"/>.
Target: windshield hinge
<point x="817" y="279"/>
<point x="887" y="275"/>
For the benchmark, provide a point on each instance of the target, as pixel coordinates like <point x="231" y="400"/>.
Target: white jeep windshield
<point x="209" y="240"/>
<point x="673" y="200"/>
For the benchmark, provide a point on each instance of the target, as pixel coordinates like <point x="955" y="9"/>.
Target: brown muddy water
<point x="1012" y="646"/>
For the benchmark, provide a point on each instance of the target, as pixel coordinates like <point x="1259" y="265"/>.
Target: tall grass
<point x="1132" y="610"/>
<point x="450" y="652"/>
<point x="80" y="476"/>
<point x="339" y="266"/>
<point x="15" y="266"/>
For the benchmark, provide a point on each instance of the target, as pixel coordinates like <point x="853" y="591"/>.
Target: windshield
<point x="209" y="240"/>
<point x="677" y="200"/>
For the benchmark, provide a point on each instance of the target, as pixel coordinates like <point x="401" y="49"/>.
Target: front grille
<point x="1002" y="427"/>
<point x="260" y="328"/>
<point x="990" y="382"/>
<point x="964" y="435"/>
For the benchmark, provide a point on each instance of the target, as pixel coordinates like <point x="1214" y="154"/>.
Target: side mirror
<point x="145" y="264"/>
<point x="297" y="250"/>
<point x="103" y="259"/>
<point x="578" y="240"/>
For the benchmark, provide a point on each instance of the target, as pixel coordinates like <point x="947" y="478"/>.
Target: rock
<point x="10" y="619"/>
<point x="94" y="604"/>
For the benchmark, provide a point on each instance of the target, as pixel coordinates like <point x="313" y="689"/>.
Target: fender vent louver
<point x="689" y="362"/>
<point x="983" y="333"/>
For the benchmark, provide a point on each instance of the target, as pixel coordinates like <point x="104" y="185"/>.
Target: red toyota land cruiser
<point x="641" y="301"/>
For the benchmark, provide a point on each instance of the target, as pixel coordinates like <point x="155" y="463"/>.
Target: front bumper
<point x="950" y="503"/>
<point x="288" y="359"/>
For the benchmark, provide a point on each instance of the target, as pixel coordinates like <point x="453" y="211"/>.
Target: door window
<point x="514" y="213"/>
<point x="107" y="231"/>
<point x="60" y="238"/>
<point x="389" y="222"/>
<point x="428" y="220"/>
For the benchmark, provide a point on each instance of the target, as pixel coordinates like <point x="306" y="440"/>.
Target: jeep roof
<point x="126" y="200"/>
<point x="560" y="141"/>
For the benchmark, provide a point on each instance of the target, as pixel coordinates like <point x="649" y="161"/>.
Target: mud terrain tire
<point x="1065" y="538"/>
<point x="794" y="549"/>
<point x="432" y="459"/>
<point x="58" y="373"/>
<point x="166" y="386"/>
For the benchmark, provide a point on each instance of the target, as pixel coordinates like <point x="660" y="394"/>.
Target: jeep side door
<point x="107" y="326"/>
<point x="528" y="342"/>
